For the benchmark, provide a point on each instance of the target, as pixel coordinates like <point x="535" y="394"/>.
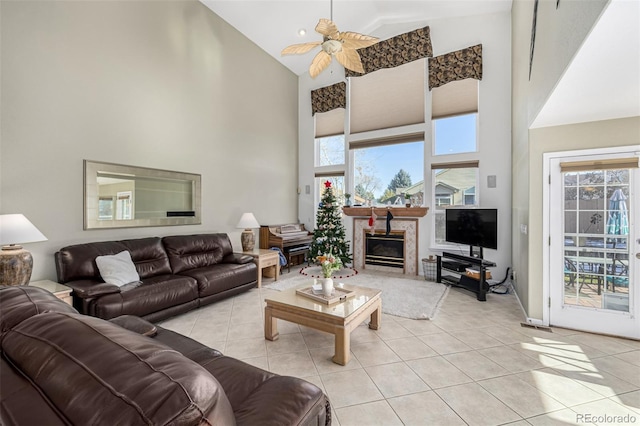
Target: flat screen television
<point x="473" y="227"/>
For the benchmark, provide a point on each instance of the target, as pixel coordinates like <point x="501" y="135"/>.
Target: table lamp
<point x="248" y="238"/>
<point x="16" y="263"/>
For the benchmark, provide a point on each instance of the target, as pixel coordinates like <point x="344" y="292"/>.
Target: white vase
<point x="327" y="287"/>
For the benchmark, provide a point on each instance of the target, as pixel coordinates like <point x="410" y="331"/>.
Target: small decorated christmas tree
<point x="329" y="235"/>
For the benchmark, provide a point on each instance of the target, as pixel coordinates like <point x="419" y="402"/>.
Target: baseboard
<point x="535" y="322"/>
<point x="532" y="321"/>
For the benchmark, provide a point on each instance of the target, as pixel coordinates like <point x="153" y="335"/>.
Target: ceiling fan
<point x="342" y="46"/>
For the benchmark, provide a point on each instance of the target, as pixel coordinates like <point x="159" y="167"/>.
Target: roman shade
<point x="455" y="165"/>
<point x="609" y="164"/>
<point x="389" y="140"/>
<point x="330" y="123"/>
<point x="455" y="98"/>
<point x="329" y="174"/>
<point x="328" y="105"/>
<point x="388" y="98"/>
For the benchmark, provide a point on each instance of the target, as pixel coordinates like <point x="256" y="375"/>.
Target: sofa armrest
<point x="238" y="258"/>
<point x="135" y="324"/>
<point x="87" y="289"/>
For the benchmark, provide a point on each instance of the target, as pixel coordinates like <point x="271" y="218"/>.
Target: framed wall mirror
<point x="120" y="196"/>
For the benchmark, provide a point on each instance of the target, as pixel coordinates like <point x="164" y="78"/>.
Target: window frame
<point x="436" y="212"/>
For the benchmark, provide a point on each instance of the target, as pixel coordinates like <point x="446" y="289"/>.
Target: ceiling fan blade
<point x="357" y="41"/>
<point x="319" y="63"/>
<point x="297" y="49"/>
<point x="350" y="59"/>
<point x="327" y="28"/>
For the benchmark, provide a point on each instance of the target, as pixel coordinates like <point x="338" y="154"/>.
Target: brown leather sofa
<point x="177" y="274"/>
<point x="58" y="367"/>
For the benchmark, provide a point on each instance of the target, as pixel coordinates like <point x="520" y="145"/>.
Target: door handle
<point x="637" y="255"/>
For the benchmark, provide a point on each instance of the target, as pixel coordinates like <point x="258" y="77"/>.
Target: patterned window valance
<point x="395" y="51"/>
<point x="328" y="98"/>
<point x="458" y="65"/>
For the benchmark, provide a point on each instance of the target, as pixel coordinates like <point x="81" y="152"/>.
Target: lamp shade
<point x="248" y="221"/>
<point x="16" y="229"/>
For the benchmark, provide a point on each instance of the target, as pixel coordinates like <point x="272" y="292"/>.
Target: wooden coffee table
<point x="338" y="319"/>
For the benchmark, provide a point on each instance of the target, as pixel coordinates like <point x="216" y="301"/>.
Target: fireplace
<point x="405" y="221"/>
<point x="385" y="250"/>
<point x="404" y="228"/>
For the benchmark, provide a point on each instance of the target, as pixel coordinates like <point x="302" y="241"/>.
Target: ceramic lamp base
<point x="248" y="240"/>
<point x="15" y="266"/>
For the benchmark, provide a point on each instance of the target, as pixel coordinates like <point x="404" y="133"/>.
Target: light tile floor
<point x="473" y="364"/>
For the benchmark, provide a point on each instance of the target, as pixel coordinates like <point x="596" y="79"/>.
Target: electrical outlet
<point x="513" y="276"/>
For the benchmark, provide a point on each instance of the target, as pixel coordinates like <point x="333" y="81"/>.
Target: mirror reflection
<point x="119" y="196"/>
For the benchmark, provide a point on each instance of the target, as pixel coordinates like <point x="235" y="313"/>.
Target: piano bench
<point x="294" y="254"/>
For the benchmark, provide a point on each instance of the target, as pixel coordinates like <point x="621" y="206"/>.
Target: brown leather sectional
<point x="177" y="273"/>
<point x="58" y="367"/>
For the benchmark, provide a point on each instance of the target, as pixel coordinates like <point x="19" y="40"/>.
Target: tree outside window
<point x="384" y="173"/>
<point x="330" y="150"/>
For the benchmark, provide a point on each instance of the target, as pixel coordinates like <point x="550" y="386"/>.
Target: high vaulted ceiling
<point x="602" y="81"/>
<point x="274" y="25"/>
<point x="588" y="91"/>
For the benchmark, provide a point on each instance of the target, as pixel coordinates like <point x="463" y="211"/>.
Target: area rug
<point x="402" y="296"/>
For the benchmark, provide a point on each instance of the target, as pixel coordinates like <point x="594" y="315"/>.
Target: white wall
<point x="494" y="33"/>
<point x="559" y="34"/>
<point x="570" y="137"/>
<point x="163" y="84"/>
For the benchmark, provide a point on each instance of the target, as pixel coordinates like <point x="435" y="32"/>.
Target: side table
<point x="264" y="258"/>
<point x="61" y="291"/>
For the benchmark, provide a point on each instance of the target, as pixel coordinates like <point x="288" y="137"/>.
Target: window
<point x="454" y="113"/>
<point x="337" y="183"/>
<point x="382" y="173"/>
<point x="105" y="208"/>
<point x="330" y="150"/>
<point x="443" y="200"/>
<point x="124" y="203"/>
<point x="455" y="135"/>
<point x="470" y="196"/>
<point x="454" y="185"/>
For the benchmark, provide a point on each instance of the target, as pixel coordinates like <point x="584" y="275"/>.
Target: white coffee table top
<point x="340" y="309"/>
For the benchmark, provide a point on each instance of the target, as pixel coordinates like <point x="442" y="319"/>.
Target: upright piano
<point x="292" y="239"/>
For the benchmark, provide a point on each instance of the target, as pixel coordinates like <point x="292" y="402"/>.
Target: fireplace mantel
<point x="382" y="211"/>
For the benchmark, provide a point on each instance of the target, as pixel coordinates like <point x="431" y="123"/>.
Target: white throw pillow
<point x="117" y="269"/>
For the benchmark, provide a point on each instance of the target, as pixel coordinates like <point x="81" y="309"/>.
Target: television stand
<point x="452" y="271"/>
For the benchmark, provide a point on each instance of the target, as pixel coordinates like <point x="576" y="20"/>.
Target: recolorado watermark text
<point x="606" y="418"/>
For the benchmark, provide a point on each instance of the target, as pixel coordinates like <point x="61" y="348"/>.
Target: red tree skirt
<point x="316" y="272"/>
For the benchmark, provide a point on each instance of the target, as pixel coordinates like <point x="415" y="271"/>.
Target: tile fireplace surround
<point x="406" y="225"/>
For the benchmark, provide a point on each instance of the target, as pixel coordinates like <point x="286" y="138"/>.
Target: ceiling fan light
<point x="332" y="47"/>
